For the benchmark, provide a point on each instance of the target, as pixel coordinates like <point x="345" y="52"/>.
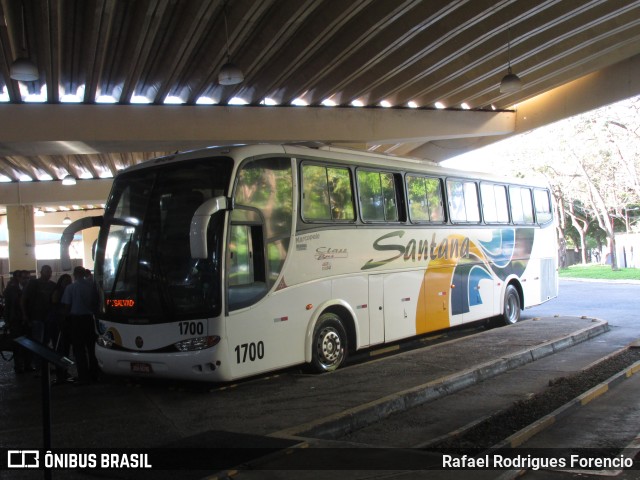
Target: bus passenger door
<point x="376" y="309"/>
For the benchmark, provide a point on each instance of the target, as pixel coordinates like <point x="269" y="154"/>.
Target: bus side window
<point x="463" y="201"/>
<point x="240" y="255"/>
<point x="425" y="199"/>
<point x="264" y="197"/>
<point x="494" y="203"/>
<point x="247" y="281"/>
<point x="521" y="205"/>
<point x="377" y="195"/>
<point x="543" y="205"/>
<point x="327" y="193"/>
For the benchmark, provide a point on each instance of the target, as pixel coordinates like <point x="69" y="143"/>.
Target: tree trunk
<point x="605" y="220"/>
<point x="612" y="250"/>
<point x="582" y="226"/>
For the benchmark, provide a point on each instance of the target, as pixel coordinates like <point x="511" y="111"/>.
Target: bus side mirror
<point x="68" y="234"/>
<point x="200" y="223"/>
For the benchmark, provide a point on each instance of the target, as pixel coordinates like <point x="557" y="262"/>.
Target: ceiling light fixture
<point x="510" y="82"/>
<point x="66" y="220"/>
<point x="229" y="74"/>
<point x="23" y="69"/>
<point x="68" y="178"/>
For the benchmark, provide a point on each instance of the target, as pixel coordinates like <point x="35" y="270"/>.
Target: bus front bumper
<point x="200" y="366"/>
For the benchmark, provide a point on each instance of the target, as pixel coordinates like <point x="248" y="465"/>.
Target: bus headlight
<point x="106" y="340"/>
<point x="198" y="343"/>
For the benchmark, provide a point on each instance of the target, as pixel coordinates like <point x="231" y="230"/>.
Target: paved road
<point x="615" y="302"/>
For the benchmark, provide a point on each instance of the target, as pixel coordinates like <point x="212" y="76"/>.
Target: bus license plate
<point x="139" y="367"/>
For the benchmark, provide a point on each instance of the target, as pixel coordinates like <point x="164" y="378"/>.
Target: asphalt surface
<point x="288" y="409"/>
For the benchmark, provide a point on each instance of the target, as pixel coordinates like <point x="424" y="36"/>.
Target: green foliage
<point x="600" y="272"/>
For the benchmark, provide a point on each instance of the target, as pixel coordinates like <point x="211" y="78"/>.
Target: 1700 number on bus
<point x="249" y="351"/>
<point x="191" y="328"/>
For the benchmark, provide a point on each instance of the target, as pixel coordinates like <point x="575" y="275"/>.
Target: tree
<point x="581" y="224"/>
<point x="591" y="160"/>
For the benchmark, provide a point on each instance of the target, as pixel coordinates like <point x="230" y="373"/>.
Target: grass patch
<point x="600" y="272"/>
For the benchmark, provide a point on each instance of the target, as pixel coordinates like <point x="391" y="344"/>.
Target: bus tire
<point x="511" y="312"/>
<point x="329" y="347"/>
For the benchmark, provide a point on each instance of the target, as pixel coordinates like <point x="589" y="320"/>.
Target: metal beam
<point x="41" y="129"/>
<point x="54" y="193"/>
<point x="604" y="87"/>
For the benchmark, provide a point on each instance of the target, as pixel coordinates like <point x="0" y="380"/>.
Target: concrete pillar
<point x="22" y="238"/>
<point x="89" y="236"/>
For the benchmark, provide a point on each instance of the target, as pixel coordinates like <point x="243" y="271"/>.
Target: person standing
<point x="61" y="330"/>
<point x="79" y="299"/>
<point x="36" y="305"/>
<point x="15" y="320"/>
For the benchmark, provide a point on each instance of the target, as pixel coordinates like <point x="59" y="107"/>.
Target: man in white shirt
<point x="79" y="299"/>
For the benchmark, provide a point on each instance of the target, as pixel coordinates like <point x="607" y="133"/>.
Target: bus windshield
<point x="144" y="269"/>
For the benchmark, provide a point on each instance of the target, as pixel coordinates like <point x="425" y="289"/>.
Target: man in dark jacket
<point x="36" y="304"/>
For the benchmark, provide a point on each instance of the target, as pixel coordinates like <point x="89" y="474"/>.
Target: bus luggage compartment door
<point x="399" y="296"/>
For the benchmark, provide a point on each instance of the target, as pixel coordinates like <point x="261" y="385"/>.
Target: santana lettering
<point x="448" y="248"/>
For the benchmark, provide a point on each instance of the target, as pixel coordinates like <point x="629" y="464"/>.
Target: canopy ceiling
<point x="401" y="55"/>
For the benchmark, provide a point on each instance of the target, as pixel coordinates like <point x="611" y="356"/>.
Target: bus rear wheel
<point x="511" y="313"/>
<point x="329" y="349"/>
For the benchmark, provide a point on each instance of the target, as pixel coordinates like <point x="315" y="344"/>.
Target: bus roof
<point x="333" y="153"/>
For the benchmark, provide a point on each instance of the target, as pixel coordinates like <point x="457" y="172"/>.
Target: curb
<point x="339" y="424"/>
<point x="529" y="431"/>
<point x="538" y="426"/>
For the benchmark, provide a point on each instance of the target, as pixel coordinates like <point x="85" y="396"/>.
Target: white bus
<point x="229" y="262"/>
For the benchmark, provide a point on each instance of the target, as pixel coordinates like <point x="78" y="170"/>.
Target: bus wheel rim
<point x="329" y="346"/>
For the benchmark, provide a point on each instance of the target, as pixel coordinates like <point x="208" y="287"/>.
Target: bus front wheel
<point x="329" y="344"/>
<point x="511" y="313"/>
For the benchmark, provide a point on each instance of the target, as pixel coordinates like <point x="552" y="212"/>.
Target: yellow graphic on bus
<point x="434" y="302"/>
